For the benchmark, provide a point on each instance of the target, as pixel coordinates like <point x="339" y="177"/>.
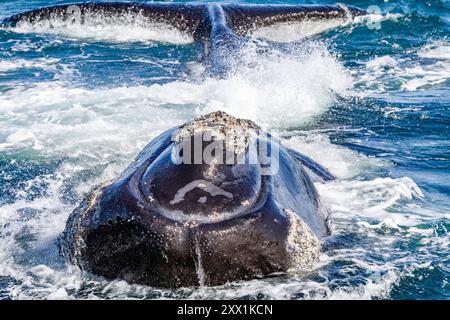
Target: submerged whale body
<point x="172" y="220"/>
<point x="222" y="28"/>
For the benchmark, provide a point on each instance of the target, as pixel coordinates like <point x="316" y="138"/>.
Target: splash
<point x="279" y="90"/>
<point x="376" y="199"/>
<point x="295" y="31"/>
<point x="342" y="162"/>
<point x="374" y="20"/>
<point x="127" y="28"/>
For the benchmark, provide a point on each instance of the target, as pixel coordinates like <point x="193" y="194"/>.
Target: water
<point x="369" y="100"/>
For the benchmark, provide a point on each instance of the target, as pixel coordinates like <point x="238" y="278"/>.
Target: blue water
<point x="369" y="99"/>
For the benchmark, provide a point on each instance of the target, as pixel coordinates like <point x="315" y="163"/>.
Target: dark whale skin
<point x="117" y="232"/>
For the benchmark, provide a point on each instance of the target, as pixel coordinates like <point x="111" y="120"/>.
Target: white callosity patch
<point x="302" y="245"/>
<point x="205" y="185"/>
<point x="231" y="134"/>
<point x="202" y="199"/>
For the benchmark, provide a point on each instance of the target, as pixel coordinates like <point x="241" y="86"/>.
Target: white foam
<point x="374" y="20"/>
<point x="9" y="65"/>
<point x="106" y="128"/>
<point x="429" y="66"/>
<point x="294" y="31"/>
<point x="128" y="28"/>
<point x="379" y="287"/>
<point x="384" y="61"/>
<point x="375" y="199"/>
<point x="381" y="199"/>
<point x="425" y="76"/>
<point x="279" y="90"/>
<point x="275" y="93"/>
<point x="436" y="50"/>
<point x="341" y="162"/>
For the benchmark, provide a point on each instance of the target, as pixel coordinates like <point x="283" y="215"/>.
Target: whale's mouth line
<point x="197" y="219"/>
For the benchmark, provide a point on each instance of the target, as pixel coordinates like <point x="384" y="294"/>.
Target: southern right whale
<point x="214" y="200"/>
<point x="222" y="28"/>
<point x="170" y="224"/>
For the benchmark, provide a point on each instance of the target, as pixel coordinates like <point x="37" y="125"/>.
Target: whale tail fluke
<point x="221" y="28"/>
<point x="245" y="18"/>
<point x="191" y="18"/>
<point x="184" y="17"/>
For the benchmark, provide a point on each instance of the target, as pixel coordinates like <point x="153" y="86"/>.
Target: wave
<point x="10" y="65"/>
<point x="426" y="67"/>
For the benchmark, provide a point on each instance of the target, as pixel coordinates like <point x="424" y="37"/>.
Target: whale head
<point x="207" y="202"/>
<point x="209" y="173"/>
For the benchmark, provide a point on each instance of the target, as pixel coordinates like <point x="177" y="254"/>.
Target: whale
<point x="214" y="200"/>
<point x="222" y="28"/>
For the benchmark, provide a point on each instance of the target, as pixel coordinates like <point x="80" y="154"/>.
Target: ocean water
<point x="368" y="99"/>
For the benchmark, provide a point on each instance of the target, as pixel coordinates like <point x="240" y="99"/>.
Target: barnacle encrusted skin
<point x="219" y="120"/>
<point x="71" y="242"/>
<point x="302" y="245"/>
<point x="236" y="133"/>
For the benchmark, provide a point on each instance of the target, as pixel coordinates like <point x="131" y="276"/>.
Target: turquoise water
<point x="368" y="99"/>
